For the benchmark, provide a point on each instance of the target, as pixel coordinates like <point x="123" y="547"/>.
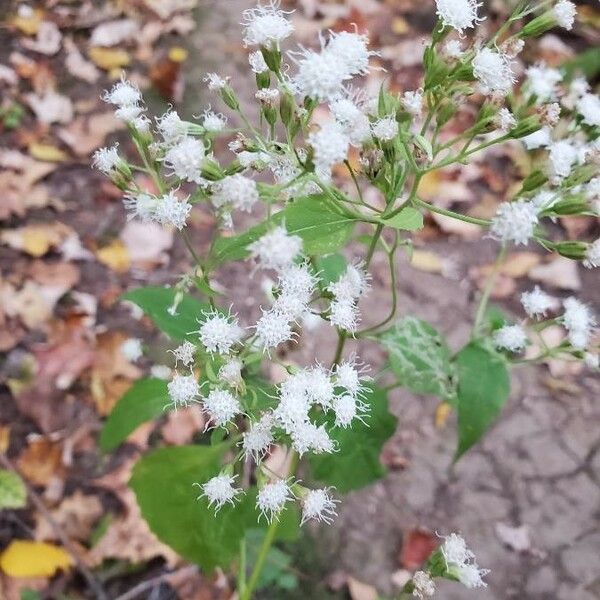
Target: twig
<point x="94" y="584"/>
<point x="135" y="591"/>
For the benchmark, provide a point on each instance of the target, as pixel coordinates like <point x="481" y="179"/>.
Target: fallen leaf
<point x="165" y="8"/>
<point x="560" y="273"/>
<point x="182" y="425"/>
<point x="50" y="107"/>
<point x="24" y="558"/>
<point x="467" y="231"/>
<point x="86" y="133"/>
<point x="417" y="545"/>
<point x="442" y="412"/>
<point x="109" y="58"/>
<point x="41" y="460"/>
<point x="48" y="39"/>
<point x="146" y="243"/>
<point x="12" y="490"/>
<point x="113" y="33"/>
<point x="77" y="65"/>
<point x="115" y="256"/>
<point x="516" y="538"/>
<point x="36" y="239"/>
<point x="47" y="152"/>
<point x="27" y="20"/>
<point x="76" y="516"/>
<point x="427" y="261"/>
<point x="361" y="591"/>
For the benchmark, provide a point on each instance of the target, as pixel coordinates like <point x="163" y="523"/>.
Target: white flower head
<point x="458" y="14"/>
<point x="272" y="329"/>
<point x="185" y="159"/>
<point x="344" y="314"/>
<point x="351" y="50"/>
<point x="212" y="121"/>
<point x="183" y="389"/>
<point x="412" y="101"/>
<point x="318" y="505"/>
<point x="142" y="206"/>
<point x="537" y="303"/>
<point x="470" y="575"/>
<point x="132" y="349"/>
<point x="214" y="82"/>
<point x="276" y="249"/>
<point x="588" y="106"/>
<point x="123" y="93"/>
<point x="219" y="332"/>
<point x="319" y="386"/>
<point x="271" y="499"/>
<point x="259" y="437"/>
<point x="307" y="437"/>
<point x="579" y="322"/>
<point x="455" y="551"/>
<point x="171" y="127"/>
<point x="267" y="96"/>
<point x="514" y="222"/>
<point x="265" y="25"/>
<point x="231" y="372"/>
<point x="453" y="49"/>
<point x="221" y="406"/>
<point x="184" y="353"/>
<point x="510" y="337"/>
<point x="320" y="75"/>
<point x="494" y="72"/>
<point x="129" y="112"/>
<point x="591" y="360"/>
<point x="385" y="129"/>
<point x="562" y="155"/>
<point x="107" y="159"/>
<point x="351" y="376"/>
<point x="330" y="144"/>
<point x="424" y="586"/>
<point x="564" y="13"/>
<point x="537" y="139"/>
<point x="219" y="491"/>
<point x="352" y="284"/>
<point x="346" y="408"/>
<point x="542" y="82"/>
<point x="592" y="255"/>
<point x="257" y="62"/>
<point x="170" y="210"/>
<point x="236" y="191"/>
<point x="505" y="120"/>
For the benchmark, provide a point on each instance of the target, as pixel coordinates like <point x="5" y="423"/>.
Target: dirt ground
<point x="527" y="499"/>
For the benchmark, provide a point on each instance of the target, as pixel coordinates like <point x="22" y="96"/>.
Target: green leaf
<point x="330" y="267"/>
<point x="143" y="401"/>
<point x="409" y="219"/>
<point x="156" y="301"/>
<point x="483" y="389"/>
<point x="12" y="490"/>
<point x="357" y="463"/>
<point x="163" y="484"/>
<point x="277" y="564"/>
<point x="420" y="357"/>
<point x="320" y="223"/>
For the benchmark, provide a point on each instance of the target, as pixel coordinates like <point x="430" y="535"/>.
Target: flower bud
<point x="272" y="57"/>
<point x="229" y="97"/>
<point x="525" y="127"/>
<point x="286" y="108"/>
<point x="263" y="80"/>
<point x="574" y="250"/>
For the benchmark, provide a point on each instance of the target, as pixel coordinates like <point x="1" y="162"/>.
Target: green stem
<point x="451" y="213"/>
<point x="487" y="291"/>
<point x="339" y="348"/>
<point x="246" y="594"/>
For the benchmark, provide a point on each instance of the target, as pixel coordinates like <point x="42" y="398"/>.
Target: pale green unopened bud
<point x="272" y="57"/>
<point x="230" y="98"/>
<point x="286" y="108"/>
<point x="211" y="170"/>
<point x="574" y="250"/>
<point x="539" y="25"/>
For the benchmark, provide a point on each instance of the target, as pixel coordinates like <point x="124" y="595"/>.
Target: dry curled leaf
<point x="50" y="107"/>
<point x="48" y="39"/>
<point x="86" y="133"/>
<point x="113" y="33"/>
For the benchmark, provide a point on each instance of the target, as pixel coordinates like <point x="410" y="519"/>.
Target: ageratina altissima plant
<point x="279" y="177"/>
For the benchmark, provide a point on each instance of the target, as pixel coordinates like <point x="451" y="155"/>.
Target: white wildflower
<point x="563" y="156"/>
<point x="319" y="386"/>
<point x="537" y="139"/>
<point x="470" y="575"/>
<point x="170" y="210"/>
<point x="107" y="159"/>
<point x="592" y="255"/>
<point x="537" y="303"/>
<point x="272" y="329"/>
<point x="257" y="62"/>
<point x="183" y="389"/>
<point x="510" y="337"/>
<point x="344" y="314"/>
<point x="591" y="360"/>
<point x="346" y="408"/>
<point x="352" y="284"/>
<point x="184" y="353"/>
<point x="320" y="76"/>
<point x="412" y="102"/>
<point x="458" y="14"/>
<point x="129" y="112"/>
<point x="350" y="377"/>
<point x="171" y="127"/>
<point x="271" y="499"/>
<point x="212" y="121"/>
<point x="185" y="159"/>
<point x="318" y="505"/>
<point x="455" y="551"/>
<point x="579" y="322"/>
<point x="237" y="191"/>
<point x="256" y="160"/>
<point x="385" y="129"/>
<point x="132" y="349"/>
<point x="588" y="107"/>
<point x="160" y="372"/>
<point x="276" y="249"/>
<point x="219" y="332"/>
<point x="259" y="437"/>
<point x="307" y="437"/>
<point x="453" y="49"/>
<point x="424" y="586"/>
<point x="219" y="491"/>
<point x="143" y="206"/>
<point x="514" y="222"/>
<point x="564" y="13"/>
<point x="330" y="144"/>
<point x="231" y="372"/>
<point x="493" y="70"/>
<point x="214" y="82"/>
<point x="123" y="93"/>
<point x="265" y="26"/>
<point x="351" y="51"/>
<point x="505" y="120"/>
<point x="222" y="406"/>
<point x="542" y="82"/>
<point x="267" y="95"/>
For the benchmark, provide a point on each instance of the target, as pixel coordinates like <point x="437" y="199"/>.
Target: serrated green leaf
<point x="163" y="484"/>
<point x="321" y="225"/>
<point x="483" y="389"/>
<point x="143" y="401"/>
<point x="330" y="267"/>
<point x="156" y="301"/>
<point x="409" y="219"/>
<point x="13" y="493"/>
<point x="420" y="357"/>
<point x="357" y="463"/>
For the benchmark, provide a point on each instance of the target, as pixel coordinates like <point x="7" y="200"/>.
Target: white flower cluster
<point x="128" y="100"/>
<point x="346" y="292"/>
<point x="460" y="562"/>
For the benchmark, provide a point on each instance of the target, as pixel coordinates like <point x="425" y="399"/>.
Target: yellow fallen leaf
<point x="109" y="58"/>
<point x="400" y="26"/>
<point x="24" y="558"/>
<point x="114" y="256"/>
<point x="427" y="261"/>
<point x="28" y="22"/>
<point x="36" y="239"/>
<point x="47" y="152"/>
<point x="178" y="54"/>
<point x="441" y="414"/>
